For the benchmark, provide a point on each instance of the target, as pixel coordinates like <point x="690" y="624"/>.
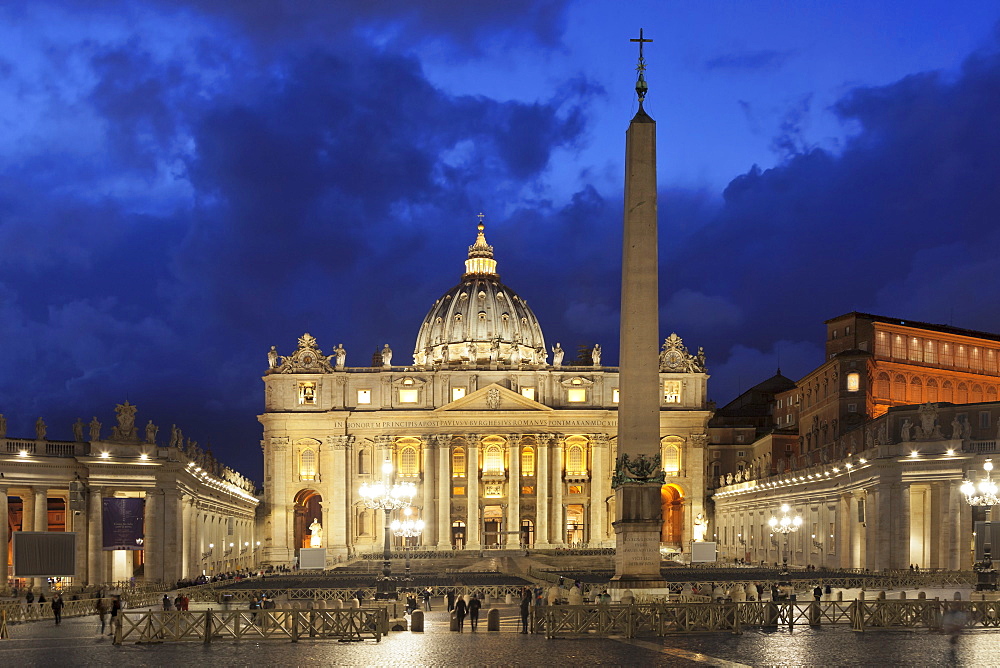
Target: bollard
<point x="814" y="616"/>
<point x="771" y="615"/>
<point x="840" y="596"/>
<point x="295" y="625"/>
<point x="958" y="596"/>
<point x="338" y="604"/>
<point x="355" y="604"/>
<point x="881" y="596"/>
<point x="922" y="595"/>
<point x="208" y="625"/>
<point x="508" y="599"/>
<point x="493" y="619"/>
<point x="320" y="604"/>
<point x="486" y="601"/>
<point x="902" y="596"/>
<point x="417" y="621"/>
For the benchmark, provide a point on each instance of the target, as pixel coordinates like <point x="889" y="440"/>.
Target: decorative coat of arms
<point x="307" y="358"/>
<point x="675" y="357"/>
<point x="642" y="470"/>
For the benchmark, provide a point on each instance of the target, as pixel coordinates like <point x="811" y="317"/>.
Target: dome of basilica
<point x="480" y="321"/>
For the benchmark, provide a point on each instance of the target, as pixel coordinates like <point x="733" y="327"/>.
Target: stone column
<point x="78" y="525"/>
<point x="171" y="541"/>
<point x="281" y="549"/>
<point x="510" y="539"/>
<point x="444" y="493"/>
<point x="542" y="468"/>
<point x="429" y="513"/>
<point x="28" y="510"/>
<point x="4" y="544"/>
<point x="558" y="535"/>
<point x="599" y="479"/>
<point x="95" y="538"/>
<point x="339" y="527"/>
<point x="187" y="537"/>
<point x="152" y="543"/>
<point x="41" y="522"/>
<point x="472" y="495"/>
<point x="901" y="528"/>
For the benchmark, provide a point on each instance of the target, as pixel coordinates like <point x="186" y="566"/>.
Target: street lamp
<point x="406" y="530"/>
<point x="984" y="495"/>
<point x="785" y="526"/>
<point x="385" y="496"/>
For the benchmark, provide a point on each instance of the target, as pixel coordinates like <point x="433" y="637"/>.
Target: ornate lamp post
<point x="785" y="526"/>
<point x="406" y="530"/>
<point x="385" y="496"/>
<point x="984" y="495"/>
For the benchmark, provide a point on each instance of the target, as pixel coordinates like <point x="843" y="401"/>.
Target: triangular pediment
<point x="494" y="397"/>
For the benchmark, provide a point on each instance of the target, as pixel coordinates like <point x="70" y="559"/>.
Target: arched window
<point x="882" y="386"/>
<point x="977" y="394"/>
<point x="574" y="460"/>
<point x="991" y="394"/>
<point x="932" y="390"/>
<point x="363" y="461"/>
<point x="458" y="463"/>
<point x="916" y="392"/>
<point x="408" y="461"/>
<point x="962" y="396"/>
<point x="948" y="392"/>
<point x="899" y="389"/>
<point x="493" y="460"/>
<point x="672" y="459"/>
<point x="528" y="461"/>
<point x="307" y="465"/>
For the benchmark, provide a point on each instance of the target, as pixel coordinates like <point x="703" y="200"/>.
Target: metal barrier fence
<point x="672" y="618"/>
<point x="22" y="611"/>
<point x="209" y="625"/>
<point x="341" y="593"/>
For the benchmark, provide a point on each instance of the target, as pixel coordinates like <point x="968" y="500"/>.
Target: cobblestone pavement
<point x="77" y="643"/>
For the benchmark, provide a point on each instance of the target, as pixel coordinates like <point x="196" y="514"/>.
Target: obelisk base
<point x="637" y="538"/>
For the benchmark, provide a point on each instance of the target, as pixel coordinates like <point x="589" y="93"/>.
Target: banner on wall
<point x="123" y="523"/>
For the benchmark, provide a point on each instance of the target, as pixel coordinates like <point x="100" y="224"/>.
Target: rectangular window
<point x="458" y="491"/>
<point x="576" y="395"/>
<point x="741" y="453"/>
<point x="576" y="489"/>
<point x="847" y="330"/>
<point x="984" y="419"/>
<point x="947" y="354"/>
<point x="853" y="381"/>
<point x="672" y="391"/>
<point x="307" y="393"/>
<point x="457" y="393"/>
<point x="528" y="392"/>
<point x="962" y="357"/>
<point x="527" y="489"/>
<point x="852" y="408"/>
<point x="930" y="352"/>
<point x="898" y="347"/>
<point x="779" y="403"/>
<point x="408" y="396"/>
<point x="882" y="344"/>
<point x="915" y="350"/>
<point x="976" y="360"/>
<point x="716" y="455"/>
<point x="614" y="395"/>
<point x="364" y="396"/>
<point x="991" y="361"/>
<point x="739" y="438"/>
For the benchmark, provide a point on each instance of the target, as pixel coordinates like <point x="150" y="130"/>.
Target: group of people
<point x="177" y="603"/>
<point x="468" y="605"/>
<point x="424" y="595"/>
<point x="102" y="609"/>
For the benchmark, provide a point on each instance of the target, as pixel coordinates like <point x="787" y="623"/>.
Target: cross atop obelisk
<point x="640" y="84"/>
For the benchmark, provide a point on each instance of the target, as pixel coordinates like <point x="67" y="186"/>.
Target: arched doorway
<point x="671" y="509"/>
<point x="307" y="508"/>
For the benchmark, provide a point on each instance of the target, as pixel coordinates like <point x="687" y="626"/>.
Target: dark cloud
<point x="744" y="61"/>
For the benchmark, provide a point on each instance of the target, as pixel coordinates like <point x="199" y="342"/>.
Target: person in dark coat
<point x="57" y="606"/>
<point x="460" y="610"/>
<point x="817" y="593"/>
<point x="526" y="597"/>
<point x="451" y="600"/>
<point x="474" y="605"/>
<point x="116" y="607"/>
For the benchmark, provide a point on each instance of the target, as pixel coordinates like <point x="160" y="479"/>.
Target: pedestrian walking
<point x="166" y="602"/>
<point x="57" y="607"/>
<point x="460" y="610"/>
<point x="526" y="597"/>
<point x="101" y="608"/>
<point x="451" y="600"/>
<point x="474" y="605"/>
<point x="818" y="593"/>
<point x="116" y="607"/>
<point x="426" y="595"/>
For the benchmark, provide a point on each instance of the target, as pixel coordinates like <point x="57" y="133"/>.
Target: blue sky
<point x="184" y="184"/>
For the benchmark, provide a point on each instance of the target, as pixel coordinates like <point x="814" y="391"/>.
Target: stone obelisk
<point x="638" y="473"/>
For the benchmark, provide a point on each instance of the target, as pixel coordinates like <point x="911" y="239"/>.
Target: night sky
<point x="185" y="184"/>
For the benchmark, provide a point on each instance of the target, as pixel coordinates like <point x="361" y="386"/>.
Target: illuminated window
<point x="882" y="386"/>
<point x="493" y="460"/>
<point x="527" y="489"/>
<point x="614" y="395"/>
<point x="307" y="393"/>
<point x="457" y="393"/>
<point x="576" y="395"/>
<point x="991" y="361"/>
<point x="962" y="396"/>
<point x="528" y="392"/>
<point x="976" y="359"/>
<point x="930" y="352"/>
<point x="672" y="460"/>
<point x="899" y="388"/>
<point x="307" y="465"/>
<point x="408" y="461"/>
<point x="962" y="357"/>
<point x="458" y="463"/>
<point x="882" y="344"/>
<point x="528" y="461"/>
<point x="408" y="396"/>
<point x="853" y="381"/>
<point x="458" y="491"/>
<point x="576" y="463"/>
<point x="947" y="354"/>
<point x="915" y="352"/>
<point x="364" y="396"/>
<point x="899" y="347"/>
<point x="672" y="391"/>
<point x="576" y="489"/>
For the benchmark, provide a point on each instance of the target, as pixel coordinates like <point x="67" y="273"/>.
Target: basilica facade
<point x="507" y="445"/>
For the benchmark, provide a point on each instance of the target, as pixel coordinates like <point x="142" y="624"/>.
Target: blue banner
<point x="123" y="523"/>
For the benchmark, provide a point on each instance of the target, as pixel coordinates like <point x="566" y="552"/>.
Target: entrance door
<point x="458" y="535"/>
